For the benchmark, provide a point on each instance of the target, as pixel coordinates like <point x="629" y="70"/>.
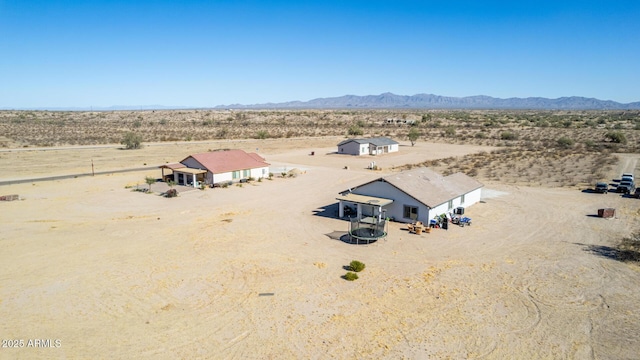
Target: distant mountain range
<point x="393" y="101"/>
<point x="429" y="101"/>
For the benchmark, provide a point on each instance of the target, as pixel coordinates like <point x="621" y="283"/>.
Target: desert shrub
<point x="616" y="137"/>
<point x="150" y="181"/>
<point x="413" y="135"/>
<point x="630" y="248"/>
<point x="354" y="130"/>
<point x="508" y="135"/>
<point x="565" y="142"/>
<point x="262" y="134"/>
<point x="131" y="140"/>
<point x="270" y="176"/>
<point x="171" y="193"/>
<point x="222" y="133"/>
<point x="356" y="266"/>
<point x="350" y="276"/>
<point x="450" y="131"/>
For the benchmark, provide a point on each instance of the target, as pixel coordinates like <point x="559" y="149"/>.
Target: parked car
<point x="636" y="194"/>
<point x="626" y="177"/>
<point x="626" y="187"/>
<point x="601" y="187"/>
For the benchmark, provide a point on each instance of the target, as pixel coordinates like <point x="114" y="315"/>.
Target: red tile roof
<point x="172" y="166"/>
<point x="224" y="161"/>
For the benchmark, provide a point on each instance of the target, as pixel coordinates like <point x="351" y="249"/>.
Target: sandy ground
<point x="249" y="272"/>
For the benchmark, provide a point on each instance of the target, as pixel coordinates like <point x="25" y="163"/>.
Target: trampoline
<point x="366" y="230"/>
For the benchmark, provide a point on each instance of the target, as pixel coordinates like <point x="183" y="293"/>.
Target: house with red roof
<point x="218" y="166"/>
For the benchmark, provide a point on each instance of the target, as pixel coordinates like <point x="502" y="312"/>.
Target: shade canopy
<point x="363" y="199"/>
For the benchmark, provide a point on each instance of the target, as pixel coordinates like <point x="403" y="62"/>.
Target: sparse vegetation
<point x="131" y="140"/>
<point x="480" y="127"/>
<point x="262" y="134"/>
<point x="565" y="142"/>
<point x="508" y="135"/>
<point x="616" y="137"/>
<point x="355" y="130"/>
<point x="413" y="135"/>
<point x="350" y="276"/>
<point x="150" y="181"/>
<point x="629" y="248"/>
<point x="356" y="266"/>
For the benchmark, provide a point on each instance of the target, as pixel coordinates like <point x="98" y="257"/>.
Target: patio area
<point x="161" y="187"/>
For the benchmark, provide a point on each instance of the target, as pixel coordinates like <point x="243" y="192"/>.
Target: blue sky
<point x="206" y="53"/>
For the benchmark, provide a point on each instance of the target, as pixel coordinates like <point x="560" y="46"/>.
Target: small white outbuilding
<point x="370" y="146"/>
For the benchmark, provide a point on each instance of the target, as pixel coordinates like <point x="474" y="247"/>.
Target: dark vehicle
<point x="636" y="194"/>
<point x="626" y="187"/>
<point x="602" y="188"/>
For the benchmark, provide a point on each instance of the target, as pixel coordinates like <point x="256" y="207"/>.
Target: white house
<point x="371" y="146"/>
<point x="216" y="167"/>
<point x="418" y="194"/>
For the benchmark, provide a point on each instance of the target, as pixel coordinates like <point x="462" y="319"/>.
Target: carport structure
<point x="183" y="175"/>
<point x="369" y="208"/>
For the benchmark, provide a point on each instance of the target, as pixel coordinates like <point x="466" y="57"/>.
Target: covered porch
<point x="378" y="149"/>
<point x="369" y="209"/>
<point x="183" y="175"/>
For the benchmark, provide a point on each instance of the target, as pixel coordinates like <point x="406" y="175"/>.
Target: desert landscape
<point x="255" y="271"/>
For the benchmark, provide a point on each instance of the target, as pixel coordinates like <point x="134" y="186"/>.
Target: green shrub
<point x="262" y="134"/>
<point x="450" y="131"/>
<point x="616" y="137"/>
<point x="354" y="130"/>
<point x="356" y="266"/>
<point x="350" y="276"/>
<point x="565" y="142"/>
<point x="508" y="135"/>
<point x="131" y="141"/>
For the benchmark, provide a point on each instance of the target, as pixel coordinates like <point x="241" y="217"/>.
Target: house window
<point x="450" y="204"/>
<point x="246" y="173"/>
<point x="462" y="199"/>
<point x="236" y="175"/>
<point x="410" y="212"/>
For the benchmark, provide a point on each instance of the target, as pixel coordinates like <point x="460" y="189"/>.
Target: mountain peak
<point x="390" y="100"/>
